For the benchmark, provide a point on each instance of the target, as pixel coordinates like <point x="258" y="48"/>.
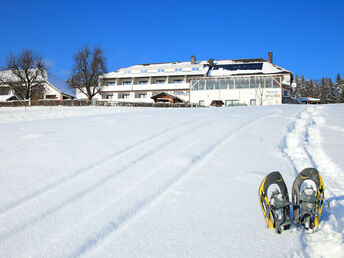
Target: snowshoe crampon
<point x="276" y="208"/>
<point x="308" y="199"/>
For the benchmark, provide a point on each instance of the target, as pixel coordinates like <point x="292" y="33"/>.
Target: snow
<point x="60" y="84"/>
<point x="151" y="182"/>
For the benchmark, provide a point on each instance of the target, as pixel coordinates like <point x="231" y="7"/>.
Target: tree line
<point x="325" y="89"/>
<point x="26" y="72"/>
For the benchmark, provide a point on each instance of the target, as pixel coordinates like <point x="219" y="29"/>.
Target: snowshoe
<point x="276" y="209"/>
<point x="308" y="202"/>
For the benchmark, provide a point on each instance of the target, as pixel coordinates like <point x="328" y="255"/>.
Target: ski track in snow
<point x="77" y="173"/>
<point x="66" y="185"/>
<point x="303" y="148"/>
<point x="141" y="205"/>
<point x="124" y="207"/>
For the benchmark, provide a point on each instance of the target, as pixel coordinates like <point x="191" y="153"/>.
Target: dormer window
<point x="143" y="71"/>
<point x="178" y="69"/>
<point x="195" y="68"/>
<point x="127" y="72"/>
<point x="161" y="70"/>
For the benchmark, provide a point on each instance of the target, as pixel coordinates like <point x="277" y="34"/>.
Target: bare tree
<point x="87" y="68"/>
<point x="24" y="73"/>
<point x="260" y="93"/>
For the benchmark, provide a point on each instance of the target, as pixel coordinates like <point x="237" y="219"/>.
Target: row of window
<point x="237" y="83"/>
<point x="126" y="96"/>
<point x="144" y="82"/>
<point x="161" y="70"/>
<point x="138" y="95"/>
<point x="231" y="102"/>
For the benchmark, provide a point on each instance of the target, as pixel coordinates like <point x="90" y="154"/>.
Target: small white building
<point x="234" y="82"/>
<point x="53" y="89"/>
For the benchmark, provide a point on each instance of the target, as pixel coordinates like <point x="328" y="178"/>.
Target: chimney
<point x="270" y="57"/>
<point x="211" y="62"/>
<point x="193" y="60"/>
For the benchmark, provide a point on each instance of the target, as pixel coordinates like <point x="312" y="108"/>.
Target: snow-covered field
<point x="149" y="182"/>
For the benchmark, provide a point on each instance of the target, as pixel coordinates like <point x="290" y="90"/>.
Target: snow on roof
<point x="4" y="97"/>
<point x="60" y="84"/>
<point x="219" y="68"/>
<point x="56" y="82"/>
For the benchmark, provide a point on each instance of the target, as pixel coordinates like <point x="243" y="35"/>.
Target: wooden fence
<point x="45" y="102"/>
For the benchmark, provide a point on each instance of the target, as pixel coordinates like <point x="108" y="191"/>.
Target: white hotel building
<point x="234" y="82"/>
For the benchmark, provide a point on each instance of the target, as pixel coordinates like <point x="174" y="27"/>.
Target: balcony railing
<point x="147" y="87"/>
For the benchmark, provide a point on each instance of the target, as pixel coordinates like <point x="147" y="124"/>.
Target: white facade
<point x="139" y="83"/>
<point x="50" y="91"/>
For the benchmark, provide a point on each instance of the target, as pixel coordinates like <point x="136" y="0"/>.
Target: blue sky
<point x="306" y="37"/>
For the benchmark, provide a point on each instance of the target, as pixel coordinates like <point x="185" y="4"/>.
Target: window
<point x="232" y="102"/>
<point x="210" y="84"/>
<point x="217" y="84"/>
<point x="194" y="85"/>
<point x="178" y="93"/>
<point x="143" y="82"/>
<point x="110" y="83"/>
<point x="143" y="71"/>
<point x="161" y="70"/>
<point x="241" y="83"/>
<point x="126" y="83"/>
<point x="257" y="82"/>
<point x="268" y="82"/>
<point x="50" y="97"/>
<point x="177" y="81"/>
<point x="105" y="96"/>
<point x="123" y="95"/>
<point x="276" y="82"/>
<point x="140" y="95"/>
<point x="201" y="103"/>
<point x="252" y="102"/>
<point x="195" y="68"/>
<point x="201" y="84"/>
<point x="223" y="84"/>
<point x="127" y="72"/>
<point x="178" y="69"/>
<point x="4" y="90"/>
<point x="160" y="81"/>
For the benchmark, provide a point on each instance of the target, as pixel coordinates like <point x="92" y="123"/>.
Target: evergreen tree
<point x="315" y="92"/>
<point x="323" y="91"/>
<point x="303" y="87"/>
<point x="340" y="89"/>
<point x="331" y="94"/>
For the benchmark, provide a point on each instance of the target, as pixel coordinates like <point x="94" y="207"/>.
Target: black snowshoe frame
<point x="276" y="216"/>
<point x="306" y="208"/>
<point x="308" y="217"/>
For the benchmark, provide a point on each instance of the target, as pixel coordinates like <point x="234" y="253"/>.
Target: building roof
<point x="59" y="84"/>
<point x="219" y="68"/>
<point x="156" y="96"/>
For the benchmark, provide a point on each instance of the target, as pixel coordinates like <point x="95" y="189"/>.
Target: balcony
<point x="147" y="87"/>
